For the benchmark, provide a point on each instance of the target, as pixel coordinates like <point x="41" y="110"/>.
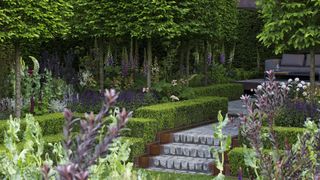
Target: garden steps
<point x="187" y="151"/>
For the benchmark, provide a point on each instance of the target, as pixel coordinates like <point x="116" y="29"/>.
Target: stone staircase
<point x="186" y="151"/>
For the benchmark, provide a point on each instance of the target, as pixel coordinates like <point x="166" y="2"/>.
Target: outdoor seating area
<point x="159" y="90"/>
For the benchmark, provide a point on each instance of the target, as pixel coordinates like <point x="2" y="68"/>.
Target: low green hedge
<point x="177" y="114"/>
<point x="49" y="123"/>
<point x="236" y="160"/>
<point x="232" y="91"/>
<point x="143" y="128"/>
<point x="282" y="133"/>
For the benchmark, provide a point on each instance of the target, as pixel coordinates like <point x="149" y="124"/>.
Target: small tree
<point x="291" y="24"/>
<point x="26" y="21"/>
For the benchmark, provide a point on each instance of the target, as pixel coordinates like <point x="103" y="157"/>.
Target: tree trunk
<point x="181" y="60"/>
<point x="231" y="57"/>
<point x="205" y="58"/>
<point x="18" y="100"/>
<point x="312" y="71"/>
<point x="131" y="60"/>
<point x="136" y="53"/>
<point x="188" y="60"/>
<point x="149" y="64"/>
<point x="258" y="60"/>
<point x="99" y="58"/>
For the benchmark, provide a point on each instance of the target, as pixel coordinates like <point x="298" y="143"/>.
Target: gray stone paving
<point x="236" y="107"/>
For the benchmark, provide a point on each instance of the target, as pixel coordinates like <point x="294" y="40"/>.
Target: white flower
<point x="304" y="94"/>
<point x="303" y="83"/>
<point x="296" y="79"/>
<point x="304" y="87"/>
<point x="300" y="85"/>
<point x="283" y="86"/>
<point x="289" y="80"/>
<point x="259" y="87"/>
<point x="174" y="98"/>
<point x="297" y="89"/>
<point x="288" y="88"/>
<point x="174" y="82"/>
<point x="308" y="84"/>
<point x="282" y="83"/>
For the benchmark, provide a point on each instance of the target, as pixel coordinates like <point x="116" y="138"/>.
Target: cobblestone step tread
<point x="181" y="163"/>
<point x="188" y="150"/>
<point x="176" y="171"/>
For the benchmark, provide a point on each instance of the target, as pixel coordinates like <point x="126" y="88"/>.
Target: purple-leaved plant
<point x="87" y="147"/>
<point x="297" y="161"/>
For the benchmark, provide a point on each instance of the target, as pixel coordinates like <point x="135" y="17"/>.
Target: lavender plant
<point x="299" y="161"/>
<point x="92" y="143"/>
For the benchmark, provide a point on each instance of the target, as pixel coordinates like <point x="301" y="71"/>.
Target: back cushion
<point x="292" y="60"/>
<point x="317" y="60"/>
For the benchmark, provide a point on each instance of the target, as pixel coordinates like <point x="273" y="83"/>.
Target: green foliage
<point x="177" y="114"/>
<point x="290" y="24"/>
<point x="236" y="160"/>
<point x="289" y="117"/>
<point x="137" y="146"/>
<point x="283" y="135"/>
<point x="247" y="45"/>
<point x="115" y="165"/>
<point x="50" y="124"/>
<point x="231" y="91"/>
<point x="143" y="128"/>
<point x="33" y="19"/>
<point x="219" y="74"/>
<point x="177" y="88"/>
<point x="25" y="163"/>
<point x="224" y="145"/>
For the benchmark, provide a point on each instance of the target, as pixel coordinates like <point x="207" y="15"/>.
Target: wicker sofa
<point x="294" y="64"/>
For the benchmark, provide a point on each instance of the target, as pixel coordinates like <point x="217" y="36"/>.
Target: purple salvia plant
<point x="297" y="160"/>
<point x="209" y="59"/>
<point x="85" y="149"/>
<point x="222" y="58"/>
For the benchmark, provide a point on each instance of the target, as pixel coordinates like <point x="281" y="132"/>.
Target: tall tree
<point x="27" y="21"/>
<point x="152" y="19"/>
<point x="291" y="24"/>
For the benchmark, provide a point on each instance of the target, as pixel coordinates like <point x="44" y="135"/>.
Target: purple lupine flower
<point x="222" y="58"/>
<point x="209" y="59"/>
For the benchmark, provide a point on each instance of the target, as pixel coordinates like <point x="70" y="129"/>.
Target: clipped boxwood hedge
<point x="143" y="128"/>
<point x="236" y="160"/>
<point x="291" y="133"/>
<point x="232" y="91"/>
<point x="177" y="114"/>
<point x="49" y="123"/>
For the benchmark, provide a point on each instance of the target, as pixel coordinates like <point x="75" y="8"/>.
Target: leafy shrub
<point x="137" y="146"/>
<point x="231" y="91"/>
<point x="177" y="114"/>
<point x="23" y="163"/>
<point x="143" y="128"/>
<point x="197" y="80"/>
<point x="219" y="74"/>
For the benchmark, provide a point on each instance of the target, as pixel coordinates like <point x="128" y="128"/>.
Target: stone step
<point x="182" y="163"/>
<point x="177" y="171"/>
<point x="203" y="135"/>
<point x="188" y="150"/>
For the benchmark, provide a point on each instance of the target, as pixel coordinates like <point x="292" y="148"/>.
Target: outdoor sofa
<point x="293" y="64"/>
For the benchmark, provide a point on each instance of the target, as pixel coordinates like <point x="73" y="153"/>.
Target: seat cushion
<point x="292" y="60"/>
<point x="317" y="60"/>
<point x="294" y="69"/>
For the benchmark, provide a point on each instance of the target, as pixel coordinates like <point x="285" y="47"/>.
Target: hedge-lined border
<point x="282" y="133"/>
<point x="232" y="91"/>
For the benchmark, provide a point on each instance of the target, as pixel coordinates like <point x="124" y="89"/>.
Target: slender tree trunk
<point x="149" y="64"/>
<point x="231" y="57"/>
<point x="99" y="57"/>
<point x="205" y="58"/>
<point x="181" y="60"/>
<point x="18" y="100"/>
<point x="136" y="53"/>
<point x="188" y="60"/>
<point x="131" y="60"/>
<point x="258" y="60"/>
<point x="312" y="70"/>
